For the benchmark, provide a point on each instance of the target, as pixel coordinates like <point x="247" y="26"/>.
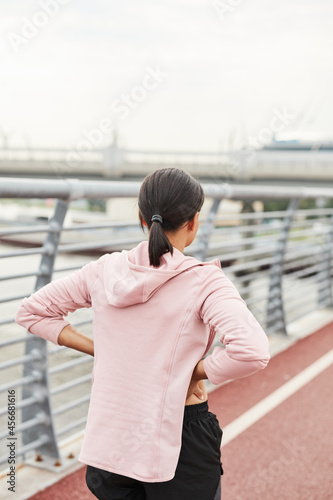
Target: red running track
<point x="286" y="454"/>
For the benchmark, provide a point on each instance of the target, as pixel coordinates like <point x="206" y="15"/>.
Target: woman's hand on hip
<point x="196" y="386"/>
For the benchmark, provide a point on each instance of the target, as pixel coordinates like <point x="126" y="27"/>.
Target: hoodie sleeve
<point x="43" y="312"/>
<point x="246" y="345"/>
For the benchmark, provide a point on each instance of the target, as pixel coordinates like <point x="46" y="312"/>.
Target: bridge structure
<point x="281" y="263"/>
<point x="308" y="163"/>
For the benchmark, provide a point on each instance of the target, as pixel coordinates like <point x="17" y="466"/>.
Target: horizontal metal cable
<point x="294" y="305"/>
<point x="256" y="298"/>
<point x="22" y="404"/>
<point x="80" y="361"/>
<point x="27" y="230"/>
<point x="15" y="340"/>
<point x="77" y="247"/>
<point x="249" y="253"/>
<point x="34" y="445"/>
<point x="300" y="312"/>
<point x="18" y="276"/>
<point x="18" y="361"/>
<point x="29" y="379"/>
<point x="11" y="299"/>
<point x="21" y="253"/>
<point x="291" y="302"/>
<point x="69" y="385"/>
<point x="71" y="404"/>
<point x="7" y="321"/>
<point x="263" y="292"/>
<point x="314" y="268"/>
<point x="73" y="425"/>
<point x="244" y="266"/>
<point x="262" y="242"/>
<point x="104" y="225"/>
<point x="71" y="268"/>
<point x="262" y="273"/>
<point x="39" y="419"/>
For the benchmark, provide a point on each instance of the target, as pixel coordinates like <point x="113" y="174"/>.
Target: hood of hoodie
<point x="129" y="278"/>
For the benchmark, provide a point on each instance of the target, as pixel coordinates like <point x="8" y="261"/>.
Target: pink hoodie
<point x="150" y="327"/>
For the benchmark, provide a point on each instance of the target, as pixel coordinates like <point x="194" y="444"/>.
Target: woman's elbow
<point x="262" y="363"/>
<point x="19" y="315"/>
<point x="255" y="365"/>
<point x="261" y="351"/>
<point x="22" y="316"/>
<point x="262" y="357"/>
<point x="259" y="357"/>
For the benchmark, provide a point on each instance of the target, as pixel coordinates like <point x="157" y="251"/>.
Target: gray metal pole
<point x="247" y="208"/>
<point x="325" y="298"/>
<point x="275" y="320"/>
<point x="48" y="453"/>
<point x="207" y="230"/>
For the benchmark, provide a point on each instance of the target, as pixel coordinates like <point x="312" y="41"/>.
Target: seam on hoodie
<point x="143" y="296"/>
<point x="98" y="262"/>
<point x="121" y="279"/>
<point x="202" y="276"/>
<point x="167" y="384"/>
<point x="212" y="331"/>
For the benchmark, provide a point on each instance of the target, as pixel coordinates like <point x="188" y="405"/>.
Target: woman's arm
<point x="43" y="312"/>
<point x="71" y="337"/>
<point x="246" y="345"/>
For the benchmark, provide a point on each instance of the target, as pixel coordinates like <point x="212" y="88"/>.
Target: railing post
<point x="246" y="209"/>
<point x="48" y="453"/>
<point x="325" y="298"/>
<point x="276" y="321"/>
<point x="207" y="230"/>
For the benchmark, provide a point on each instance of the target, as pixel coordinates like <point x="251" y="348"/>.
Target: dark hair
<point x="175" y="196"/>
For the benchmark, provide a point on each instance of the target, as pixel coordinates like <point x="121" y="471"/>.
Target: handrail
<point x="73" y="189"/>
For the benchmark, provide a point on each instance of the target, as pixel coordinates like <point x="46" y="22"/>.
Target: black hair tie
<point x="157" y="218"/>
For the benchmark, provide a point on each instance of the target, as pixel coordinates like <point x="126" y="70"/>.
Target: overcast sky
<point x="172" y="74"/>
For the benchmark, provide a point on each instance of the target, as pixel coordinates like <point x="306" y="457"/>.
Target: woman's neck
<point x="177" y="240"/>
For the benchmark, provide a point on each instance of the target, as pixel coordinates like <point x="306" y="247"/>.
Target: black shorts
<point x="198" y="472"/>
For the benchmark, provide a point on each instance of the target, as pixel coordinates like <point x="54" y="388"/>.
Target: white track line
<point x="240" y="424"/>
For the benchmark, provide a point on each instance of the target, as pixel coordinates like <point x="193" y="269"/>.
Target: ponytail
<point x="158" y="243"/>
<point x="168" y="199"/>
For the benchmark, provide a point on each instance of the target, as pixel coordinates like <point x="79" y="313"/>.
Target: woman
<point x="149" y="434"/>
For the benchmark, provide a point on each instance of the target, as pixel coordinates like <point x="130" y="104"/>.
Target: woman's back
<point x="149" y="355"/>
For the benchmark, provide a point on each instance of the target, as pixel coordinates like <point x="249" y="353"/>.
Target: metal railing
<point x="281" y="262"/>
